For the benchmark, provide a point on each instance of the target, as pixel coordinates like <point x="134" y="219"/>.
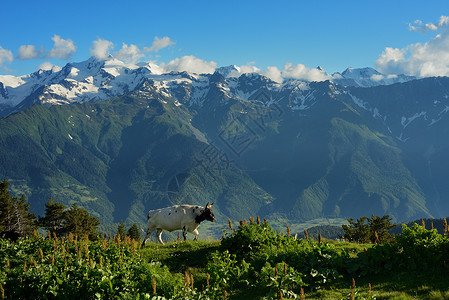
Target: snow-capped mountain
<point x="361" y="142"/>
<point x="97" y="80"/>
<point x="368" y="77"/>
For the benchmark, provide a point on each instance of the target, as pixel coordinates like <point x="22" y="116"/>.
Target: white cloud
<point x="377" y="77"/>
<point x="29" y="52"/>
<point x="100" y="49"/>
<point x="5" y="56"/>
<point x="274" y="74"/>
<point x="159" y="43"/>
<point x="130" y="54"/>
<point x="289" y="71"/>
<point x="191" y="64"/>
<point x="421" y="59"/>
<point x="46" y="66"/>
<point x="391" y="61"/>
<point x="419" y="26"/>
<point x="300" y="71"/>
<point x="62" y="49"/>
<point x="250" y="69"/>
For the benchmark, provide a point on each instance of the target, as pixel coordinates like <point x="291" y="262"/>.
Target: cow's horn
<point x="207" y="204"/>
<point x="212" y="203"/>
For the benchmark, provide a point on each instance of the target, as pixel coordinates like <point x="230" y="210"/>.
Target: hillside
<point x="118" y="159"/>
<point x="291" y="151"/>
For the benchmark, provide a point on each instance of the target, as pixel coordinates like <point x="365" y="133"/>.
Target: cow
<point x="179" y="217"/>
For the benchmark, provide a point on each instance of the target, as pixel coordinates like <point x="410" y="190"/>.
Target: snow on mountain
<point x="97" y="80"/>
<point x="368" y="77"/>
<point x="229" y="71"/>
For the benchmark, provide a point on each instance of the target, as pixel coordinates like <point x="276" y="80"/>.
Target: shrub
<point x="307" y="262"/>
<point x="416" y="249"/>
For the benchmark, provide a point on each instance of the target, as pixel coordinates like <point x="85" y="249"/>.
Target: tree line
<point x="16" y="219"/>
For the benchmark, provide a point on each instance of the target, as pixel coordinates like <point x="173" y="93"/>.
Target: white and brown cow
<point x="179" y="217"/>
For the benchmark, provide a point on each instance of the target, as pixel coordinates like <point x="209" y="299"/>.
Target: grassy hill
<point x="252" y="262"/>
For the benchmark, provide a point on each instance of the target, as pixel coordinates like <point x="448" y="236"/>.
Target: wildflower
<point x="153" y="283"/>
<point x="186" y="279"/>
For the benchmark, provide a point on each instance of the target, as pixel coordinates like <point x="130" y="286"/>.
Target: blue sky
<point x="331" y="34"/>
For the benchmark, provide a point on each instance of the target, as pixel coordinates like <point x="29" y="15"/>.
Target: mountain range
<point x="120" y="140"/>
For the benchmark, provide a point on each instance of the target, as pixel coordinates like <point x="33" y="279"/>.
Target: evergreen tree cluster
<point x="75" y="219"/>
<point x="368" y="230"/>
<point x="133" y="231"/>
<point x="16" y="220"/>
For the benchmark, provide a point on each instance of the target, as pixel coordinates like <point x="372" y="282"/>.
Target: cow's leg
<point x="184" y="233"/>
<point x="196" y="235"/>
<point x="149" y="231"/>
<point x="159" y="234"/>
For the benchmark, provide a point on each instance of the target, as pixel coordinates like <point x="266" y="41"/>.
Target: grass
<point x="353" y="248"/>
<point x="254" y="262"/>
<point x="180" y="256"/>
<point x="390" y="286"/>
<point x="192" y="256"/>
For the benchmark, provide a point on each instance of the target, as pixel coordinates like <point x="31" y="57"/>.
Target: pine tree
<point x="79" y="222"/>
<point x="121" y="230"/>
<point x="6" y="208"/>
<point x="15" y="216"/>
<point x="26" y="221"/>
<point x="357" y="231"/>
<point x="364" y="230"/>
<point x="54" y="217"/>
<point x="381" y="226"/>
<point x="134" y="232"/>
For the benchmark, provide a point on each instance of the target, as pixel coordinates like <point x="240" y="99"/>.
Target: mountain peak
<point x="229" y="71"/>
<point x="359" y="73"/>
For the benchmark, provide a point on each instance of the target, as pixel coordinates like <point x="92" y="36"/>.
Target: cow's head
<point x="207" y="213"/>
